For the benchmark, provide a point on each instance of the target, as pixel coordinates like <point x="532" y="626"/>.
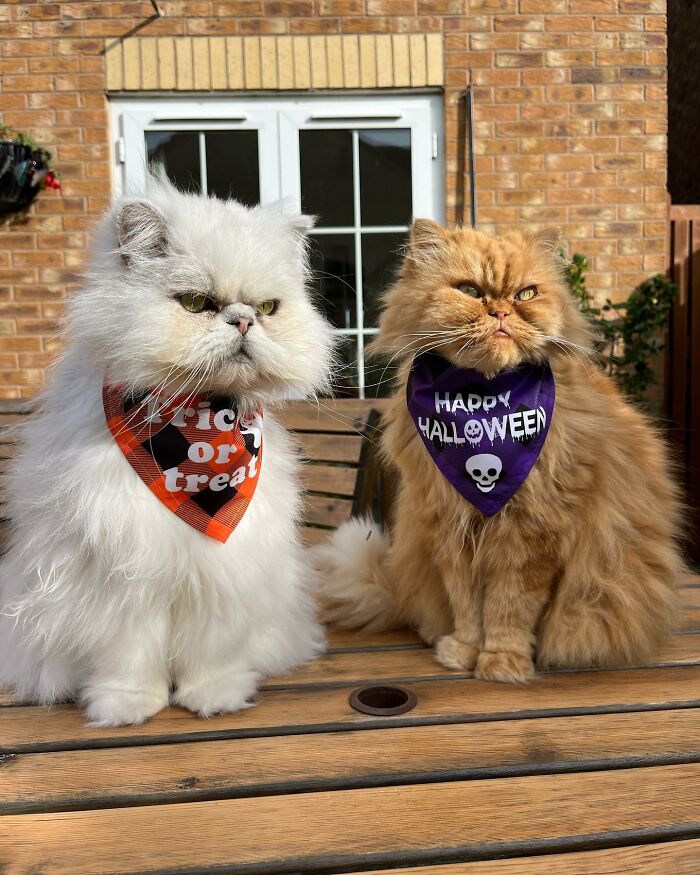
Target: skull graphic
<point x="473" y="431"/>
<point x="484" y="469"/>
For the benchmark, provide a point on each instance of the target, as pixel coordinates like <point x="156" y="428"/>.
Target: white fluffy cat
<point x="105" y="594"/>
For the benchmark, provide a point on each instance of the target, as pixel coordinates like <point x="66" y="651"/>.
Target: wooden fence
<point x="683" y="357"/>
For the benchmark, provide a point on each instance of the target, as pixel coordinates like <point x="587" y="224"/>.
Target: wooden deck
<point x="575" y="774"/>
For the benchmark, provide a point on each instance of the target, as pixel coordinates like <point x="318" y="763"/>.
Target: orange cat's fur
<point x="579" y="567"/>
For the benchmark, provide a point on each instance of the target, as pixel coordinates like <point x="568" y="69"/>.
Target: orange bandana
<point x="193" y="453"/>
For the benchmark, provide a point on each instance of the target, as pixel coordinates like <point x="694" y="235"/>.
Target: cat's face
<point x="479" y="302"/>
<point x="198" y="294"/>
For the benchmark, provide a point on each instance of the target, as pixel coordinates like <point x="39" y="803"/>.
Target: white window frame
<point x="279" y="119"/>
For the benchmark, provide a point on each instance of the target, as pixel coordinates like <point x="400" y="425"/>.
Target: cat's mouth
<point x="241" y="356"/>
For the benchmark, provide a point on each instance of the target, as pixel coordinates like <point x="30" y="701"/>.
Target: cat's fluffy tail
<point x="353" y="586"/>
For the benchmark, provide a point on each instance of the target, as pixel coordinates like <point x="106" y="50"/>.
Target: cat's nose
<point x="499" y="314"/>
<point x="242" y="324"/>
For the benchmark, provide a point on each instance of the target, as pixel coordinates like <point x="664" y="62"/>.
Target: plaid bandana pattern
<point x="194" y="453"/>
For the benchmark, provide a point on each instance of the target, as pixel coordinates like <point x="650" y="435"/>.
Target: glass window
<point x="385" y="177"/>
<point x="222" y="163"/>
<point x="233" y="165"/>
<point x="340" y="170"/>
<point x="333" y="267"/>
<point x="178" y="152"/>
<point x="345" y="377"/>
<point x="325" y="167"/>
<point x="381" y="256"/>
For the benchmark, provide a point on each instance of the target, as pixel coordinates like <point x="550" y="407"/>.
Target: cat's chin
<point x="489" y="357"/>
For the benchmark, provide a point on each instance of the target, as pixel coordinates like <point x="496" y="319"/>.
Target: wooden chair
<point x="337" y="438"/>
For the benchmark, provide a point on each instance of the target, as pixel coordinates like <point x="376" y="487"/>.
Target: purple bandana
<point x="483" y="434"/>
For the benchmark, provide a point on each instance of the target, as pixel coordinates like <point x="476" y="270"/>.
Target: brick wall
<point x="570" y="124"/>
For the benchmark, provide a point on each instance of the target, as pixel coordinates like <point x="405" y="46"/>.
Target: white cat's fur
<point x="105" y="594"/>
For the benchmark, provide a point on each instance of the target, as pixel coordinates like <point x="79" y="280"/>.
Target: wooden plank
<point x="335" y="479"/>
<point x="347" y="416"/>
<point x="69" y="780"/>
<point x="681" y="858"/>
<point x="685" y="212"/>
<point x="331" y="829"/>
<point x="356" y="667"/>
<point x="356" y="639"/>
<point x="324" y="709"/>
<point x="325" y="511"/>
<point x="330" y="448"/>
<point x="345" y="669"/>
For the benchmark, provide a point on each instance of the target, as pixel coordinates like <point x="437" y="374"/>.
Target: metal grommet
<point x="383" y="701"/>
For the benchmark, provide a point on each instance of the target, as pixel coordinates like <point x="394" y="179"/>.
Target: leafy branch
<point x="629" y="333"/>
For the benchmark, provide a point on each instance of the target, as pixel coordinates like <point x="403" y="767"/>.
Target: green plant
<point x="629" y="333"/>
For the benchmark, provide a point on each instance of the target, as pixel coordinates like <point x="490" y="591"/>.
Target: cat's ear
<point x="426" y="232"/>
<point x="142" y="231"/>
<point x="301" y="224"/>
<point x="548" y="239"/>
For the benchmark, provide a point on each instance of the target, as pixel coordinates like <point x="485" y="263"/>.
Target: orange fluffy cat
<point x="578" y="567"/>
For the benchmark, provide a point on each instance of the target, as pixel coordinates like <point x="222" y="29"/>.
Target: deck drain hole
<point x="382" y="701"/>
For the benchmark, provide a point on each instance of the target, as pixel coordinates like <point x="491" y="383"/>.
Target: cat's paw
<point x="506" y="666"/>
<point x="452" y="653"/>
<point x="113" y="707"/>
<point x="217" y="696"/>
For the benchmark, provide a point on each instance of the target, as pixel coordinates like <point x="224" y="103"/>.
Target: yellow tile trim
<point x="276" y="63"/>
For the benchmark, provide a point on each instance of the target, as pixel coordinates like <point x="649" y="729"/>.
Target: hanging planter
<point x="25" y="168"/>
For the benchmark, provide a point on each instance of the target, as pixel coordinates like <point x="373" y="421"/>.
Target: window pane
<point x="232" y="165"/>
<point x="333" y="265"/>
<point x="381" y="256"/>
<point x="385" y="177"/>
<point x="345" y="377"/>
<point x="325" y="159"/>
<point x="178" y="152"/>
<point x="379" y="373"/>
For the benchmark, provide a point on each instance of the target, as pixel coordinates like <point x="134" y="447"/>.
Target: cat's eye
<point x="470" y="289"/>
<point x="196" y="302"/>
<point x="267" y="308"/>
<point x="527" y="294"/>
